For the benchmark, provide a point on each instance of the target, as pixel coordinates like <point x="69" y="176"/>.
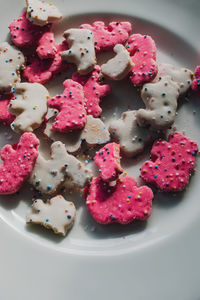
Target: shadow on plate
<point x="109" y="231"/>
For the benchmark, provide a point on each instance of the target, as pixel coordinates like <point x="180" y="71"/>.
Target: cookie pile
<point x="73" y="118"/>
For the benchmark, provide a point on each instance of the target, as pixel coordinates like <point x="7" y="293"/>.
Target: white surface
<point x="155" y="261"/>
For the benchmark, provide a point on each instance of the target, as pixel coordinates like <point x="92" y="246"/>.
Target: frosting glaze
<point x="46" y="46"/>
<point x="94" y="133"/>
<point x="18" y="163"/>
<point x="132" y="138"/>
<point x="142" y="49"/>
<point x="171" y="163"/>
<point x="5" y="116"/>
<point x="118" y="67"/>
<point x="81" y="49"/>
<point x="24" y="33"/>
<point x="29" y="106"/>
<point x="106" y="37"/>
<point x="107" y="160"/>
<point x="160" y="99"/>
<point x="49" y="175"/>
<point x="122" y="203"/>
<point x="71" y="107"/>
<point x="11" y="61"/>
<point x="182" y="76"/>
<point x="94" y="90"/>
<point x="56" y="214"/>
<point x="41" y="13"/>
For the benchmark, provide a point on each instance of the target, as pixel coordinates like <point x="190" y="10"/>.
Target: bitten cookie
<point x="56" y="214"/>
<point x="94" y="90"/>
<point x="18" y="163"/>
<point x="49" y="175"/>
<point x="171" y="163"/>
<point x="29" y="106"/>
<point x="106" y="37"/>
<point x="182" y="76"/>
<point x="5" y="116"/>
<point x="46" y="46"/>
<point x="107" y="160"/>
<point x="122" y="203"/>
<point x="42" y="70"/>
<point x="24" y="33"/>
<point x="11" y="61"/>
<point x="118" y="67"/>
<point x="160" y="99"/>
<point x="41" y="13"/>
<point x="94" y="133"/>
<point x="71" y="107"/>
<point x="142" y="49"/>
<point x="196" y="81"/>
<point x="81" y="49"/>
<point x="132" y="138"/>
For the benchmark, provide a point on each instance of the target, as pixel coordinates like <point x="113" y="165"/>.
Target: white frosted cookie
<point x="182" y="76"/>
<point x="77" y="173"/>
<point x="49" y="175"/>
<point x="129" y="135"/>
<point x="56" y="214"/>
<point x="81" y="52"/>
<point x="11" y="61"/>
<point x="94" y="133"/>
<point x="29" y="106"/>
<point x="118" y="67"/>
<point x="160" y="99"/>
<point x="41" y="13"/>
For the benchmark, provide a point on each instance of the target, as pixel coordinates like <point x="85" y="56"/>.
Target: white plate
<point x="156" y="261"/>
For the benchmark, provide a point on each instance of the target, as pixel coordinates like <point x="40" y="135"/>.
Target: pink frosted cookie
<point x="18" y="163"/>
<point x="94" y="90"/>
<point x="142" y="50"/>
<point x="5" y="116"/>
<point x="24" y="33"/>
<point x="106" y="37"/>
<point x="196" y="82"/>
<point x="71" y="106"/>
<point x="46" y="46"/>
<point x="41" y="71"/>
<point x="122" y="203"/>
<point x="171" y="163"/>
<point x="108" y="161"/>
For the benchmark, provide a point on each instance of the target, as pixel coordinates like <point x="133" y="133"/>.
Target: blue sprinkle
<point x="155" y="176"/>
<point x="47" y="220"/>
<point x="49" y="187"/>
<point x="156" y="167"/>
<point x="112" y="217"/>
<point x="129" y="196"/>
<point x="69" y="217"/>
